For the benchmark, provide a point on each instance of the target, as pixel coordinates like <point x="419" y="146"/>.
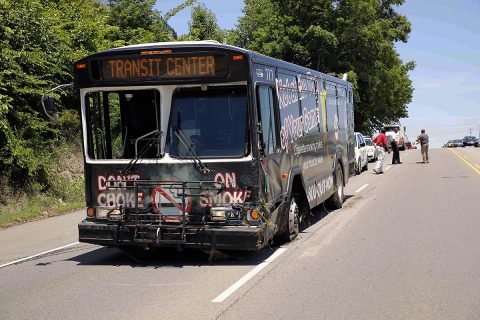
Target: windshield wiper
<point x="191" y="151"/>
<point x="154" y="140"/>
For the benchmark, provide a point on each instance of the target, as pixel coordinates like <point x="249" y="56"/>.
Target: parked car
<point x="458" y="143"/>
<point x="371" y="150"/>
<point x="469" y="141"/>
<point x="361" y="159"/>
<point x="448" y="144"/>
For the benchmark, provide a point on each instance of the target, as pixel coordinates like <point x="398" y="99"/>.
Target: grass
<point x="66" y="192"/>
<point x="22" y="208"/>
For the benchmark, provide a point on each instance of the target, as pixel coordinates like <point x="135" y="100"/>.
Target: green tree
<point x="338" y="36"/>
<point x="203" y="25"/>
<point x="139" y="22"/>
<point x="39" y="42"/>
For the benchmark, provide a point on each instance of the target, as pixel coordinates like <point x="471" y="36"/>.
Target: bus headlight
<point x="218" y="214"/>
<point x="109" y="213"/>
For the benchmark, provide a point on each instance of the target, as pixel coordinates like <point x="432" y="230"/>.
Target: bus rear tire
<point x="336" y="199"/>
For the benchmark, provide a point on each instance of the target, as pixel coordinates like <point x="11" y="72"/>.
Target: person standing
<point x="381" y="146"/>
<point x="423" y="140"/>
<point x="396" y="152"/>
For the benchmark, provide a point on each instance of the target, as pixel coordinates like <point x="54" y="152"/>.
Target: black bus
<point x="209" y="146"/>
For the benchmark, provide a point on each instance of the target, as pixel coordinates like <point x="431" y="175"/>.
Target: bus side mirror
<point x="50" y="107"/>
<point x="48" y="102"/>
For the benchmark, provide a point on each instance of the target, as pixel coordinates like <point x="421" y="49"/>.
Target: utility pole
<point x="470" y="131"/>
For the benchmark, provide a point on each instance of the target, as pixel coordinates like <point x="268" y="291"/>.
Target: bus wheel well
<point x="300" y="195"/>
<point x="339" y="163"/>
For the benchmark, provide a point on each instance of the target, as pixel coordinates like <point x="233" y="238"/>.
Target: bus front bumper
<point x="196" y="237"/>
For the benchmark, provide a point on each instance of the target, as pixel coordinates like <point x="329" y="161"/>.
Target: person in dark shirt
<point x="394" y="143"/>
<point x="423" y="140"/>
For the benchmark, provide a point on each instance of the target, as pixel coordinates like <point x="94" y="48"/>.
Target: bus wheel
<point x="293" y="222"/>
<point x="336" y="199"/>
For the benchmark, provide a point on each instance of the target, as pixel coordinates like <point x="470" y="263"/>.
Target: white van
<point x="361" y="159"/>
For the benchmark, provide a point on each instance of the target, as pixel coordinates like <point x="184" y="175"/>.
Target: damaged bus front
<point x="175" y="150"/>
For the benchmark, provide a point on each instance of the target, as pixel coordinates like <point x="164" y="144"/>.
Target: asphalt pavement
<point x="405" y="246"/>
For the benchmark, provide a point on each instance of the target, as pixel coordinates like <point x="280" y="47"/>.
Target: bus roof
<point x="212" y="44"/>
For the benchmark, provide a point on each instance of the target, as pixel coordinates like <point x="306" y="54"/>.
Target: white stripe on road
<point x="388" y="168"/>
<point x="39" y="254"/>
<point x="477" y="165"/>
<point x="225" y="294"/>
<point x="362" y="187"/>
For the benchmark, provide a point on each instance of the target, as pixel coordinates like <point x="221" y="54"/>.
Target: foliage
<point x="39" y="41"/>
<point x="136" y="21"/>
<point x="353" y="36"/>
<point x="203" y="25"/>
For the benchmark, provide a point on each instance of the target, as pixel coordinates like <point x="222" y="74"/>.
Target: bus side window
<point x="332" y="115"/>
<point x="267" y="118"/>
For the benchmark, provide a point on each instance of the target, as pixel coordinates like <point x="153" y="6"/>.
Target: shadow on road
<point x="170" y="257"/>
<point x="167" y="257"/>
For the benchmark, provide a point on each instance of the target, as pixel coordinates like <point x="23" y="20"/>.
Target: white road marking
<point x="225" y="294"/>
<point x="477" y="165"/>
<point x="362" y="187"/>
<point x="388" y="168"/>
<point x="39" y="254"/>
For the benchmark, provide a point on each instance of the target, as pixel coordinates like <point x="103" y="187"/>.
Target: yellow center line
<point x="466" y="161"/>
<point x="478" y="166"/>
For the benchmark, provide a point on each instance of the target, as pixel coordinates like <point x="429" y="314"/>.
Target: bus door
<point x="350" y="132"/>
<point x="332" y="122"/>
<point x="269" y="130"/>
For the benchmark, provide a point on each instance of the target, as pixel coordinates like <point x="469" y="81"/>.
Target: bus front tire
<point x="292" y="228"/>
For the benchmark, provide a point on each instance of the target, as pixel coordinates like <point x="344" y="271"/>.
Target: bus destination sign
<point x="164" y="67"/>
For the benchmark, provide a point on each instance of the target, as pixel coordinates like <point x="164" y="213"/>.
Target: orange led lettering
<point x="173" y="67"/>
<point x="202" y="67"/>
<point x="210" y="66"/>
<point x="194" y="63"/>
<point x="158" y="66"/>
<point x="150" y="63"/>
<point x="186" y="66"/>
<point x="170" y="66"/>
<point x="127" y="67"/>
<point x="119" y="68"/>
<point x="112" y="67"/>
<point x="143" y="67"/>
<point x="135" y="67"/>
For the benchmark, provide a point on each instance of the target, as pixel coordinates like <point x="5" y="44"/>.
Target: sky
<point x="445" y="45"/>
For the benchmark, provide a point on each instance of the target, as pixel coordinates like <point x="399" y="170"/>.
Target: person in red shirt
<point x="381" y="146"/>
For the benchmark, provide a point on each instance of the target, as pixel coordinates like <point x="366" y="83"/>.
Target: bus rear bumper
<point x="196" y="237"/>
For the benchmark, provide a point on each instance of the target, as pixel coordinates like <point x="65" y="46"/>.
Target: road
<point x="406" y="245"/>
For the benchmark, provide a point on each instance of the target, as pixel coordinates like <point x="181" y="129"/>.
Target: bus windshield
<point x="123" y="124"/>
<point x="213" y="120"/>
